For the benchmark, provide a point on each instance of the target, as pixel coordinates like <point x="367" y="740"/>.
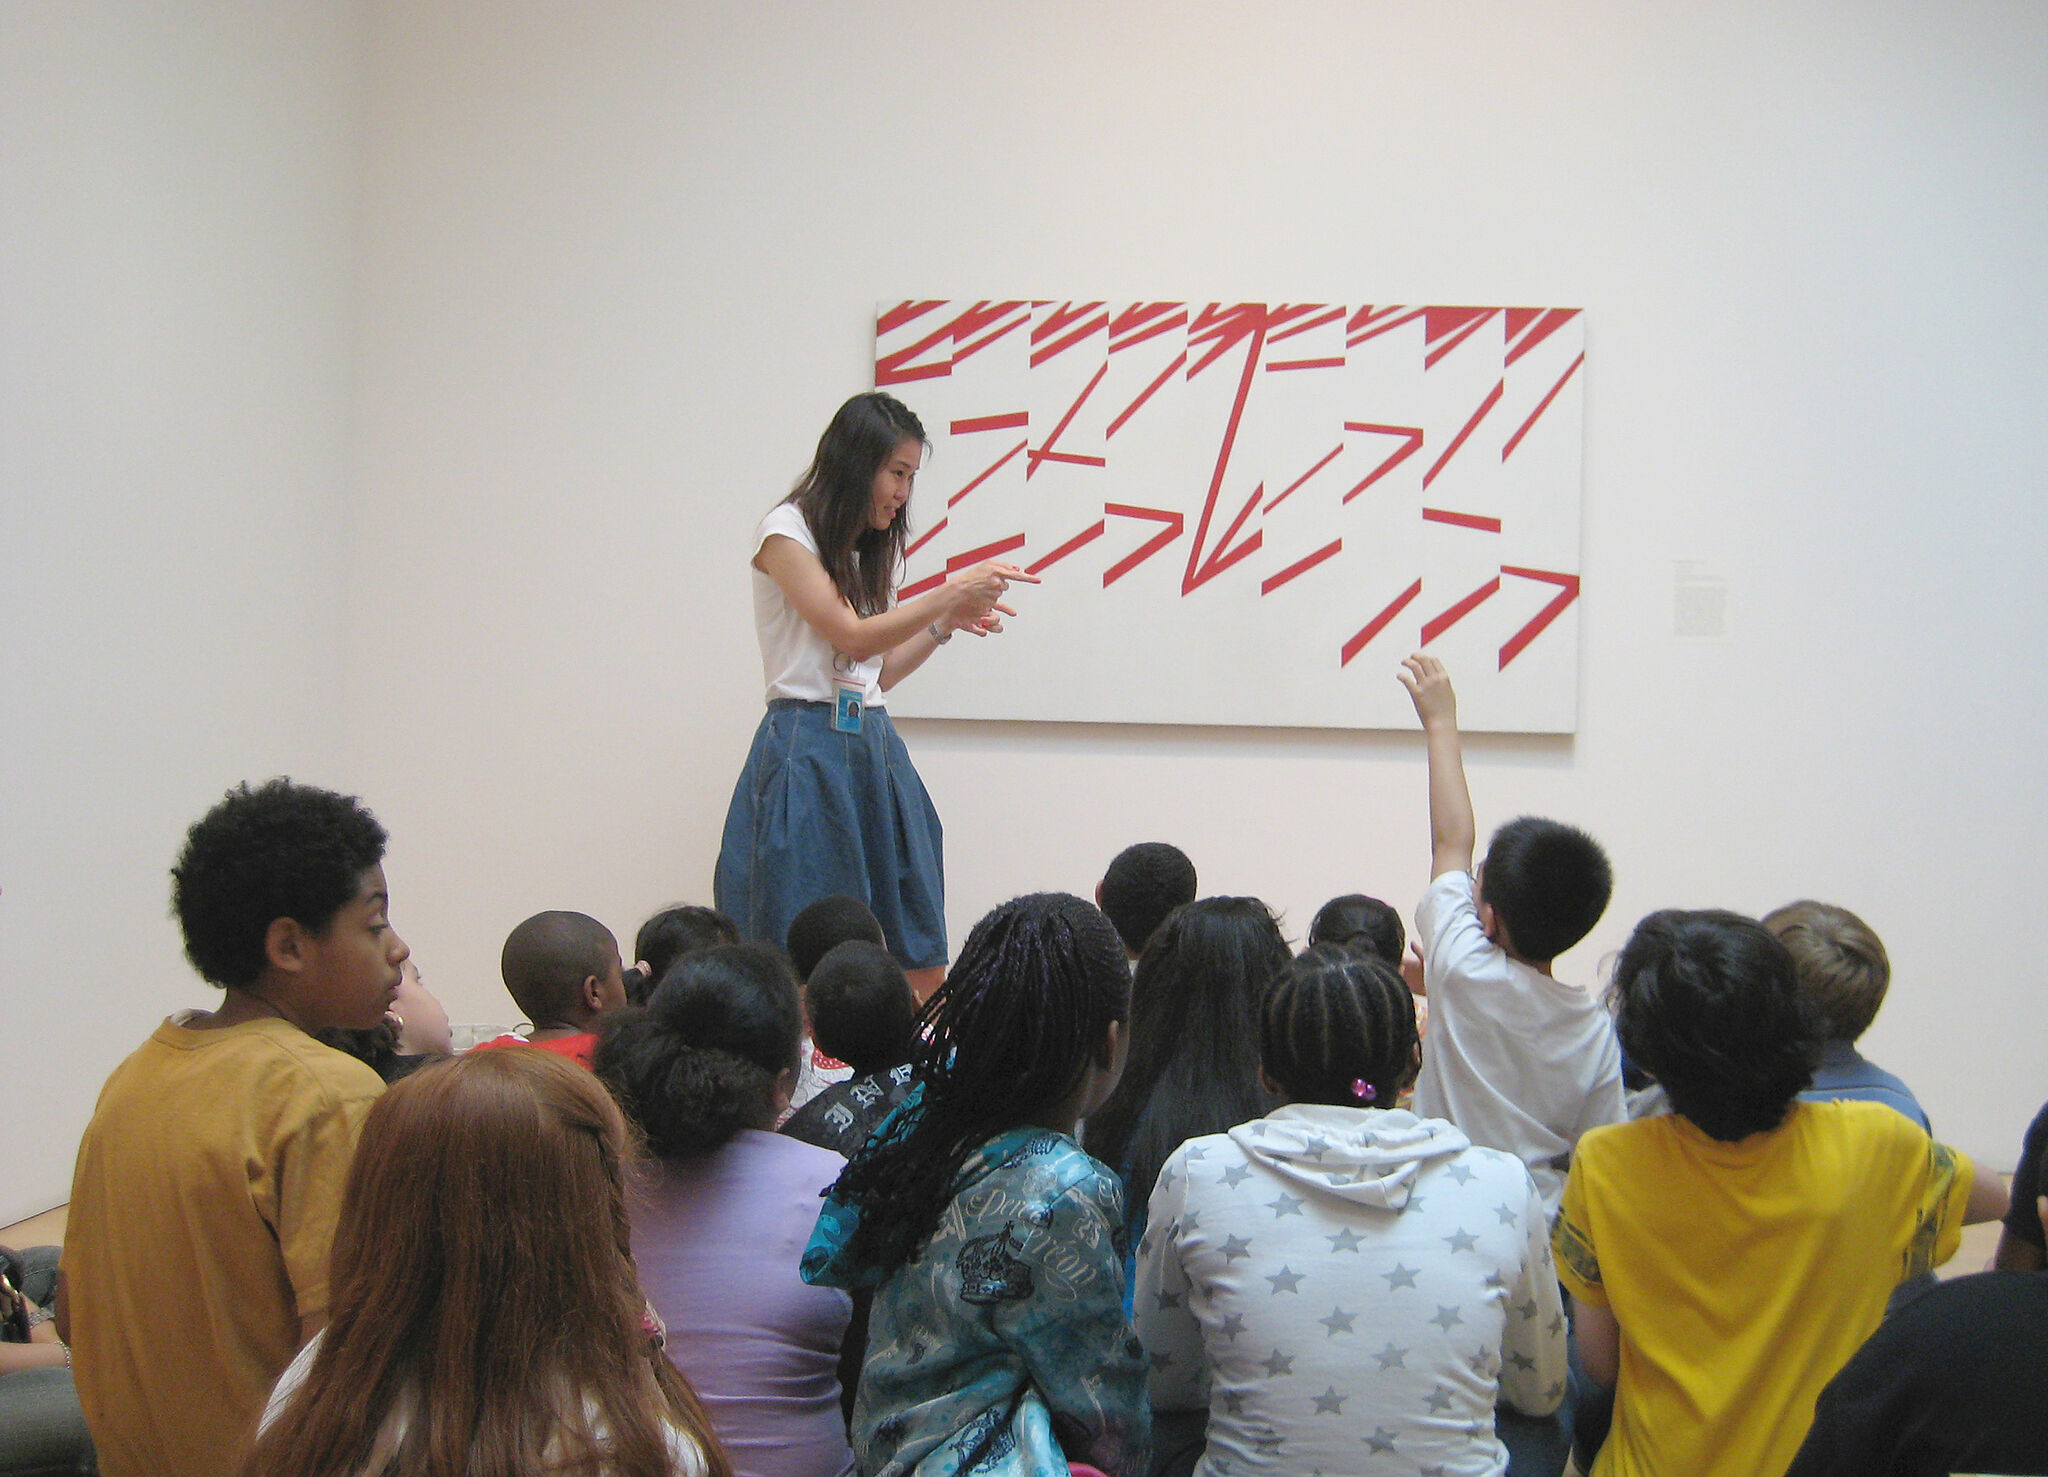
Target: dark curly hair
<point x="281" y="850"/>
<point x="1337" y="1017"/>
<point x="1709" y="1005"/>
<point x="698" y="1062"/>
<point x="673" y="932"/>
<point x="862" y="1008"/>
<point x="826" y="924"/>
<point x="1360" y="922"/>
<point x="1194" y="1065"/>
<point x="836" y="497"/>
<point x="1548" y="882"/>
<point x="1007" y="1037"/>
<point x="1143" y="884"/>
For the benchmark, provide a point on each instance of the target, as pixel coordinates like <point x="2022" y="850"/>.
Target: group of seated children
<point x="1303" y="1235"/>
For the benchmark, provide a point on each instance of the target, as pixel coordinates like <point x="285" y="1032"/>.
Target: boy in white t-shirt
<point x="1518" y="1060"/>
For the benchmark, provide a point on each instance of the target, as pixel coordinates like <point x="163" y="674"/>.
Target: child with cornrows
<point x="1340" y="1285"/>
<point x="998" y="1341"/>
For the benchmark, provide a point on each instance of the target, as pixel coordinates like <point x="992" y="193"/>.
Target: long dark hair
<point x="483" y="1277"/>
<point x="698" y="1062"/>
<point x="1006" y="1037"/>
<point x="1194" y="1065"/>
<point x="836" y="495"/>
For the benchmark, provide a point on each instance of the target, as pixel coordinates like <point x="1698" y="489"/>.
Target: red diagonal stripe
<point x="1002" y="331"/>
<point x="1330" y="317"/>
<point x="1222" y="557"/>
<point x="987" y="472"/>
<point x="1381" y="324"/>
<point x="1567" y="593"/>
<point x="1413" y="445"/>
<point x="1462" y="520"/>
<point x="1179" y="363"/>
<point x="1072" y="457"/>
<point x="912" y="591"/>
<point x="1300" y="567"/>
<point x="1541" y="406"/>
<point x="1092" y="326"/>
<point x="1430" y="359"/>
<point x="1066" y="420"/>
<point x="1225" y="328"/>
<point x="1174" y="524"/>
<point x="1134" y="328"/>
<point x="1544" y="322"/>
<point x="1085" y="536"/>
<point x="1244" y="389"/>
<point x="924" y="538"/>
<point x="1015" y="420"/>
<point x="1060" y="317"/>
<point x="1336" y="363"/>
<point x="986" y="551"/>
<point x="905" y="312"/>
<point x="1459" y="440"/>
<point x="1377" y="624"/>
<point x="1286" y="491"/>
<point x="1431" y="629"/>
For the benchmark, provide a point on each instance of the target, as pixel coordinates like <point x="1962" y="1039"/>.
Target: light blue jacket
<point x="1002" y="1349"/>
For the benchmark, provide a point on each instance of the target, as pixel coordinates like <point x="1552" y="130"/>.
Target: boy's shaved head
<point x="548" y="957"/>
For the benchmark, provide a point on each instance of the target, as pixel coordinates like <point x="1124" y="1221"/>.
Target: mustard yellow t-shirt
<point x="1744" y="1275"/>
<point x="202" y="1208"/>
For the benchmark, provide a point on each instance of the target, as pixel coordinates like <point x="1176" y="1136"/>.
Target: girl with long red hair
<point x="486" y="1318"/>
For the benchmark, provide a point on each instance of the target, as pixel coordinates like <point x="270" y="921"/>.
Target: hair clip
<point x="1363" y="1090"/>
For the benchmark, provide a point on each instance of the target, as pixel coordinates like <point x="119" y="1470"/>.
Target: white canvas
<point x="1247" y="513"/>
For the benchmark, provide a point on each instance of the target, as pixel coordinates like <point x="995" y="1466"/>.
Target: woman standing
<point x="828" y="802"/>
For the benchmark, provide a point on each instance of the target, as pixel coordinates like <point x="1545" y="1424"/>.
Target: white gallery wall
<point x="391" y="390"/>
<point x="177" y="209"/>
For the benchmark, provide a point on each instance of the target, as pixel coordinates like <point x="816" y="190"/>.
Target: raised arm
<point x="1451" y="830"/>
<point x="963" y="600"/>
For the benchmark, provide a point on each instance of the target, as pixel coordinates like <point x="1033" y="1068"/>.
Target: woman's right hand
<point x="978" y="589"/>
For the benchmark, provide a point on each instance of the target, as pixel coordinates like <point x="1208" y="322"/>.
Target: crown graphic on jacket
<point x="989" y="1273"/>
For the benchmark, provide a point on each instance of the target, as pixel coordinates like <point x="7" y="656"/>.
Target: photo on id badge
<point x="846" y="706"/>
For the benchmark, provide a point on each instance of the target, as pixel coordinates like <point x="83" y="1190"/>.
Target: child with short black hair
<point x="998" y="1341"/>
<point x="863" y="1012"/>
<point x="824" y="925"/>
<point x="815" y="931"/>
<point x="1355" y="921"/>
<point x="1517" y="1059"/>
<point x="1844" y="973"/>
<point x="682" y="928"/>
<point x="1144" y="883"/>
<point x="563" y="970"/>
<point x="1726" y="1259"/>
<point x="209" y="1180"/>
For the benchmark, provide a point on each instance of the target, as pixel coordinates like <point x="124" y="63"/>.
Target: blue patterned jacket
<point x="1002" y="1349"/>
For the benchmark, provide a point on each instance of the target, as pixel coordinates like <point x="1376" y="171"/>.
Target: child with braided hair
<point x="1341" y="1285"/>
<point x="998" y="1341"/>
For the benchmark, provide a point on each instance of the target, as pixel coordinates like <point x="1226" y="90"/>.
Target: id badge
<point x="846" y="703"/>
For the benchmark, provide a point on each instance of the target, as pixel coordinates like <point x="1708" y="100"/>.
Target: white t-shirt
<point x="1518" y="1060"/>
<point x="796" y="661"/>
<point x="686" y="1457"/>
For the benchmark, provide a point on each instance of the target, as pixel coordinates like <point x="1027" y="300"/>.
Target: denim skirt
<point x="818" y="813"/>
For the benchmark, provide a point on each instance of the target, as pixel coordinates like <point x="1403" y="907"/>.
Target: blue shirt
<point x="1003" y="1347"/>
<point x="1843" y="1073"/>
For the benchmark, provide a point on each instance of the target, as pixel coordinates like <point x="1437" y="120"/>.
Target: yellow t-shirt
<point x="202" y="1208"/>
<point x="1744" y="1275"/>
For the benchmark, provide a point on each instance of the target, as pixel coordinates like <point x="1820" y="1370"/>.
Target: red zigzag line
<point x="1568" y="591"/>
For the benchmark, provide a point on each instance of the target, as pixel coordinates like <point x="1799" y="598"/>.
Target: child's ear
<point x="285" y="945"/>
<point x="1273" y="1088"/>
<point x="592" y="994"/>
<point x="784" y="1091"/>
